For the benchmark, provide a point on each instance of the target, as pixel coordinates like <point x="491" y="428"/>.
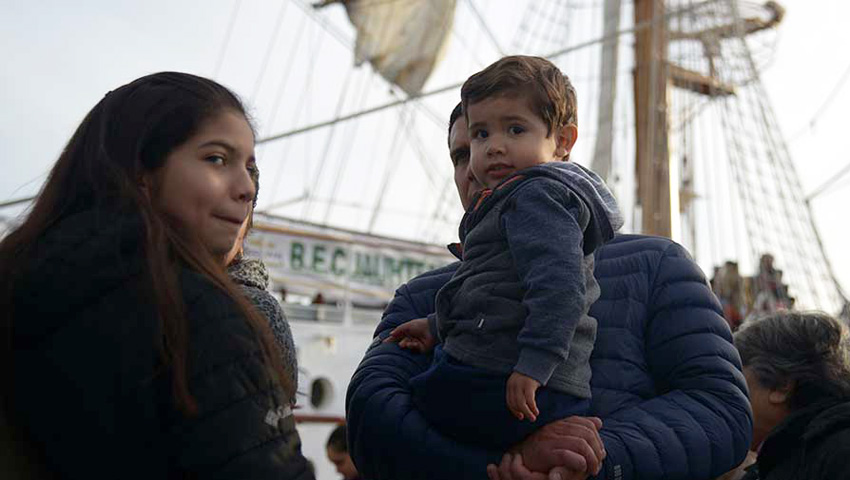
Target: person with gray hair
<point x="797" y="367"/>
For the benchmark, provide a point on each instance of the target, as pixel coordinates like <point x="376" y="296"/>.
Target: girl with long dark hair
<point x="126" y="352"/>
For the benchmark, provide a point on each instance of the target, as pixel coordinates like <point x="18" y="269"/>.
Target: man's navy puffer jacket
<point x="666" y="381"/>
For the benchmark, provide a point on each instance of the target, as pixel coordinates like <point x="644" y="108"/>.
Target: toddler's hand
<point x="520" y="393"/>
<point x="414" y="335"/>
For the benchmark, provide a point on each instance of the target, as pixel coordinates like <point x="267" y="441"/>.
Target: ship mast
<point x="657" y="194"/>
<point x="652" y="162"/>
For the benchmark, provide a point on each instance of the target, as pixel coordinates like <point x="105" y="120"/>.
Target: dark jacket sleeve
<point x="700" y="424"/>
<point x="387" y="437"/>
<point x="544" y="228"/>
<point x="243" y="428"/>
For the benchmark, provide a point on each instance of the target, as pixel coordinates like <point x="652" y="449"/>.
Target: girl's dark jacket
<point x="811" y="443"/>
<point x="90" y="391"/>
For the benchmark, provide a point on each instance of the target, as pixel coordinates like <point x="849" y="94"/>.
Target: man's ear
<point x="145" y="183"/>
<point x="565" y="138"/>
<point x="781" y="394"/>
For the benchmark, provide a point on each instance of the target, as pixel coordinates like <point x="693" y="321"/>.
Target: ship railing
<point x="332" y="314"/>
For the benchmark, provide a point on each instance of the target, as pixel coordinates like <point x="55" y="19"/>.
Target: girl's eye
<point x="480" y="134"/>
<point x="515" y="130"/>
<point x="216" y="159"/>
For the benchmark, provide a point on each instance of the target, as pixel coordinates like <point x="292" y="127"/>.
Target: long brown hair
<point x="127" y="135"/>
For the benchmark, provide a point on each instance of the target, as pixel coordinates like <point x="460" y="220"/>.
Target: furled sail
<point x="402" y="40"/>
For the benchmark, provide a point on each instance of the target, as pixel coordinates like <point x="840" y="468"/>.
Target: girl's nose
<point x="244" y="187"/>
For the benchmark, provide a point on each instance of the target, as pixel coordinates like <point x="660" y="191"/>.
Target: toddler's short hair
<point x="552" y="95"/>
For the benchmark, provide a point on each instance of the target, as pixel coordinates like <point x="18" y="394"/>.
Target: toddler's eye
<point x="515" y="130"/>
<point x="481" y="133"/>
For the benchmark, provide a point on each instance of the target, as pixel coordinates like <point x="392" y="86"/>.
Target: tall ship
<point x="352" y="101"/>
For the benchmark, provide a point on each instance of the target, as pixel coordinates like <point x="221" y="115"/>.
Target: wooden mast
<point x="652" y="164"/>
<point x="656" y="196"/>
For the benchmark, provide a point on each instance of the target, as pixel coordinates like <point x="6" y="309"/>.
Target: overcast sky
<point x="60" y="58"/>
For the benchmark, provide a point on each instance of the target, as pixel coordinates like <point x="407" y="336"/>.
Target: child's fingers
<point x="517" y="400"/>
<point x="513" y="404"/>
<point x="532" y="402"/>
<point x="391" y="337"/>
<point x="526" y="410"/>
<point x="412" y="344"/>
<point x="520" y="407"/>
<point x="397" y="333"/>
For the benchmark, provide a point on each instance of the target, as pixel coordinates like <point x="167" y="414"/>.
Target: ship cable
<point x="448" y="88"/>
<point x="227" y="35"/>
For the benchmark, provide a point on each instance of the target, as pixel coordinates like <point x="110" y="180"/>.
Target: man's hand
<point x="512" y="468"/>
<point x="520" y="396"/>
<point x="573" y="443"/>
<point x="413" y="335"/>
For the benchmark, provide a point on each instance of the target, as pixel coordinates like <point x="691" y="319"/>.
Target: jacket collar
<point x="250" y="272"/>
<point x="456" y="249"/>
<point x="803" y="427"/>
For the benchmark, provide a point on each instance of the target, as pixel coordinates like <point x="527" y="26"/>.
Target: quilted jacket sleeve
<point x="388" y="438"/>
<point x="243" y="429"/>
<point x="700" y="424"/>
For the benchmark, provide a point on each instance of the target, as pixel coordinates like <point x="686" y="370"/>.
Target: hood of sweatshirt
<point x="606" y="218"/>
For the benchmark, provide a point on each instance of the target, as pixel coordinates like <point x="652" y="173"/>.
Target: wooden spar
<point x="657" y="195"/>
<point x="652" y="163"/>
<point x="699" y="83"/>
<point x="601" y="163"/>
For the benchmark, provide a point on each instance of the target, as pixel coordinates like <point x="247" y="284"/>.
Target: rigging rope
<point x="429" y="230"/>
<point x="582" y="45"/>
<point x="472" y="51"/>
<point x="18" y="201"/>
<point x="227" y="35"/>
<point x="776" y="217"/>
<point x="312" y="189"/>
<point x="330" y="28"/>
<point x="404" y="120"/>
<point x="302" y="104"/>
<point x="272" y="42"/>
<point x="484" y="27"/>
<point x="350" y="135"/>
<point x="833" y="93"/>
<point x="523" y="27"/>
<point x="287" y="69"/>
<point x="821" y="189"/>
<point x="349" y="44"/>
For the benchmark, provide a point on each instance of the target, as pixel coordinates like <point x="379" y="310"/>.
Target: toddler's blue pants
<point x="469" y="404"/>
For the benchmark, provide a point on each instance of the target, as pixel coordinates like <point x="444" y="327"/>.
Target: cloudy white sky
<point x="59" y="58"/>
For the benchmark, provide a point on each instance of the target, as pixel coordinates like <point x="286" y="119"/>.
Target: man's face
<point x="466" y="184"/>
<point x="342" y="462"/>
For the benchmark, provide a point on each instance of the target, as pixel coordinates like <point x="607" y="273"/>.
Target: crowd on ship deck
<point x="750" y="296"/>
